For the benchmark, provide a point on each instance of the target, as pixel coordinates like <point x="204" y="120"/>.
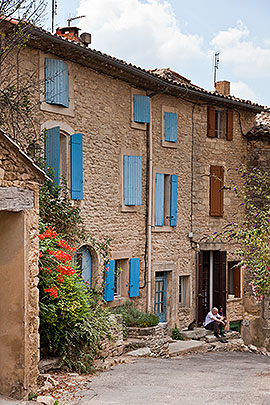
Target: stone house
<point x="19" y="304"/>
<point x="145" y="155"/>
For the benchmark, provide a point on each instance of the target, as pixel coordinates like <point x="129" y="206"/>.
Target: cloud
<point x="144" y="32"/>
<point x="242" y="90"/>
<point x="247" y="59"/>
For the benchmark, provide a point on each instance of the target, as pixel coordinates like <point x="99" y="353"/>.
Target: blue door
<point x="161" y="296"/>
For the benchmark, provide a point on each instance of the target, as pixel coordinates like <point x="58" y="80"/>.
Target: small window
<point x="141" y="108"/>
<point x="117" y="278"/>
<point x="165" y="199"/>
<point x="219" y="123"/>
<point x="170" y="126"/>
<point x="184" y="291"/>
<point x="56" y="82"/>
<point x="216" y="191"/>
<point x="234" y="279"/>
<point x="64" y="157"/>
<point x="83" y="259"/>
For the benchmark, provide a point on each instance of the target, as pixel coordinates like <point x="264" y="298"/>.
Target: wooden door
<point x="203" y="301"/>
<point x="219" y="279"/>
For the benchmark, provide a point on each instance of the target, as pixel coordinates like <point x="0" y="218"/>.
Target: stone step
<point x="195" y="334"/>
<point x="186" y="346"/>
<point x="133" y="344"/>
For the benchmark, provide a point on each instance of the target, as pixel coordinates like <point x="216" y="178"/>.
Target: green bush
<point x="133" y="317"/>
<point x="176" y="335"/>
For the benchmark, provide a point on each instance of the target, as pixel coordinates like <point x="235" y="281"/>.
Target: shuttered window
<point x="109" y="281"/>
<point x="76" y="167"/>
<point x="132" y="180"/>
<point x="165" y="199"/>
<point x="56" y="160"/>
<point x="234" y="271"/>
<point x="170" y="126"/>
<point x="216" y="191"/>
<point x="219" y="123"/>
<point x="134" y="277"/>
<point x="141" y="108"/>
<point x="56" y="82"/>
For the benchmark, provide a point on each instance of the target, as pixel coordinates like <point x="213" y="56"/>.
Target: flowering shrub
<point x="253" y="233"/>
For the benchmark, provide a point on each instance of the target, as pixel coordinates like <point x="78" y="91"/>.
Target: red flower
<point x="40" y="254"/>
<point x="65" y="245"/>
<point x="52" y="291"/>
<point x="64" y="257"/>
<point x="60" y="278"/>
<point x="67" y="270"/>
<point x="49" y="233"/>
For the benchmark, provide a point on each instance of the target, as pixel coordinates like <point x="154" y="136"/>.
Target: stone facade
<point x="19" y="341"/>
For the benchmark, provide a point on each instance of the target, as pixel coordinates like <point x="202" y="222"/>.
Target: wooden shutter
<point x="211" y="122"/>
<point x="132" y="180"/>
<point x="109" y="281"/>
<point x="236" y="281"/>
<point x="134" y="277"/>
<point x="159" y="199"/>
<point x="53" y="152"/>
<point x="170" y="127"/>
<point x="76" y="167"/>
<point x="219" y="279"/>
<point x="173" y="201"/>
<point x="141" y="108"/>
<point x="56" y="82"/>
<point x="216" y="191"/>
<point x="229" y="125"/>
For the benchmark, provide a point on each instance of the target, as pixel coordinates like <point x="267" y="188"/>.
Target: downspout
<point x="149" y="225"/>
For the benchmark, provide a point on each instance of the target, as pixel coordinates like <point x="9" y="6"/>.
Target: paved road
<point x="210" y="378"/>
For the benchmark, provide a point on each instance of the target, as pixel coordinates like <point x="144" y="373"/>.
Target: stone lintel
<point x="16" y="199"/>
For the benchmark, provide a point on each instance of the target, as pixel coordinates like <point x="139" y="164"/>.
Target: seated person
<point x="214" y="321"/>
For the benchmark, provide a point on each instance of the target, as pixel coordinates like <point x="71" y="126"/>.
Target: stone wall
<point x="17" y="172"/>
<point x="155" y="337"/>
<point x="113" y="346"/>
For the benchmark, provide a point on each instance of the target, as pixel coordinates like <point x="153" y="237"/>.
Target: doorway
<point x="161" y="295"/>
<point x="211" y="282"/>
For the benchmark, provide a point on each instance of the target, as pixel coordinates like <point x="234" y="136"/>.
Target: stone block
<point x="194" y="334"/>
<point x="144" y="351"/>
<point x="46" y="400"/>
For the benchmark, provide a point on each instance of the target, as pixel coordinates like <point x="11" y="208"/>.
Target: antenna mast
<point x="54" y="12"/>
<point x="216" y="63"/>
<point x="74" y="18"/>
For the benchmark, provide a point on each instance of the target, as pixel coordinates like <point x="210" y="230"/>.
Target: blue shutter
<point x="56" y="82"/>
<point x="109" y="281"/>
<point x="53" y="151"/>
<point x="76" y="167"/>
<point x="134" y="277"/>
<point x="159" y="199"/>
<point x="141" y="107"/>
<point x="170" y="127"/>
<point x="132" y="180"/>
<point x="173" y="204"/>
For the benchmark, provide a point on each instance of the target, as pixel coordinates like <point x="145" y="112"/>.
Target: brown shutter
<point x="211" y="122"/>
<point x="236" y="282"/>
<point x="216" y="191"/>
<point x="229" y="125"/>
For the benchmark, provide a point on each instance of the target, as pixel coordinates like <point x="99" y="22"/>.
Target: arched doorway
<point x="84" y="261"/>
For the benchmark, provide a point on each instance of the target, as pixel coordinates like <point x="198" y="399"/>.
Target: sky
<point x="182" y="35"/>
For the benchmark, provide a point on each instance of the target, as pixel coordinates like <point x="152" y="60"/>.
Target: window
<point x="216" y="191"/>
<point x="165" y="199"/>
<point x="122" y="279"/>
<point x="219" y="123"/>
<point x="140" y="109"/>
<point x="83" y="259"/>
<point x="184" y="291"/>
<point x="56" y="82"/>
<point x="132" y="166"/>
<point x="169" y="127"/>
<point x="64" y="157"/>
<point x="234" y="279"/>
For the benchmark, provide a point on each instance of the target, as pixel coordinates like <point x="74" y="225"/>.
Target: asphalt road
<point x="209" y="378"/>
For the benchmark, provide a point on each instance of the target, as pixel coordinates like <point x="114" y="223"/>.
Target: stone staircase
<point x="207" y="335"/>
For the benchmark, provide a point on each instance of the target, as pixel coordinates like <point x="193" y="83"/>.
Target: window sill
<point x="130" y="208"/>
<point x="162" y="229"/>
<point x="57" y="109"/>
<point x="236" y="299"/>
<point x="118" y="301"/>
<point x="172" y="145"/>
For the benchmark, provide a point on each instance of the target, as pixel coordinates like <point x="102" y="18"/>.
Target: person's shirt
<point x="210" y="318"/>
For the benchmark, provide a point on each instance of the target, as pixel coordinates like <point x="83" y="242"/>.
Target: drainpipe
<point x="149" y="225"/>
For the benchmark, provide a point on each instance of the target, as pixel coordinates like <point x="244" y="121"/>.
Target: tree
<point x="253" y="233"/>
<point x="17" y="18"/>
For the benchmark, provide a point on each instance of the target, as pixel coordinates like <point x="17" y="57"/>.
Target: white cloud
<point x="142" y="32"/>
<point x="247" y="59"/>
<point x="241" y="90"/>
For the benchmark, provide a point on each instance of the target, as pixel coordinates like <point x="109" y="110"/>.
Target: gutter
<point x="137" y="72"/>
<point x="149" y="225"/>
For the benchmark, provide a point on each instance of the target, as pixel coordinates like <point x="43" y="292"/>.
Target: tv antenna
<point x="216" y="63"/>
<point x="54" y="12"/>
<point x="74" y="18"/>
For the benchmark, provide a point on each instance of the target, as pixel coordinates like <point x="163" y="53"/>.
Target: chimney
<point x="223" y="87"/>
<point x="72" y="34"/>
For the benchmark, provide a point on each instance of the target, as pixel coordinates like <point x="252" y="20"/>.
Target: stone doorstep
<point x="186" y="346"/>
